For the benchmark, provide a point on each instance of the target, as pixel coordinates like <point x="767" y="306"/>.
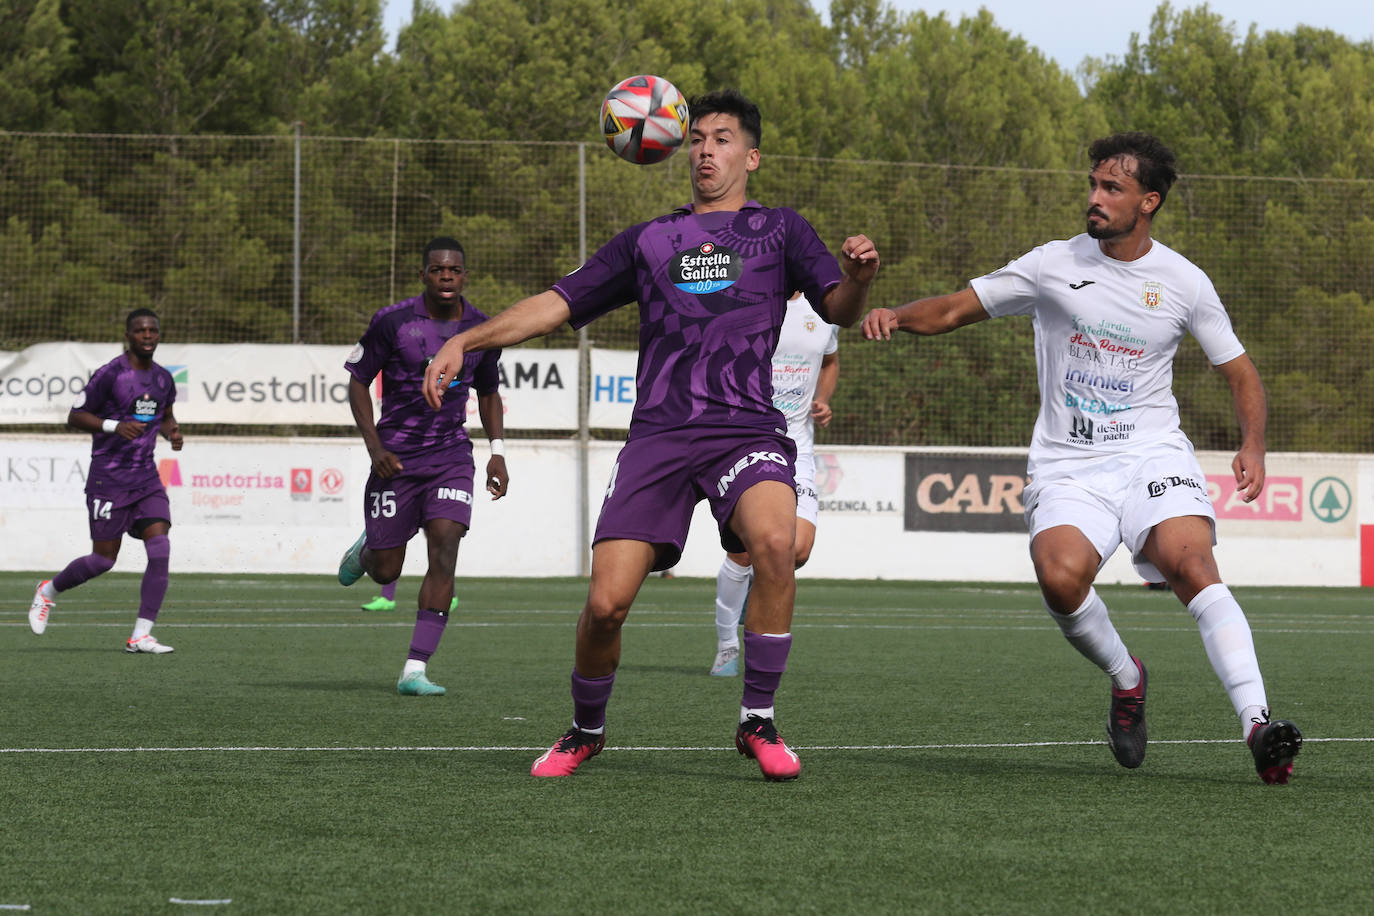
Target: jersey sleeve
<point x="95" y="397"/>
<point x="1211" y="326"/>
<point x="605" y="282"/>
<point x="370" y="354"/>
<point x="1011" y="290"/>
<point x="486" y="378"/>
<point x="811" y="267"/>
<point x="832" y="343"/>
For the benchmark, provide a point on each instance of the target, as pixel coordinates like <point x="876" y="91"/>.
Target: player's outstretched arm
<point x="528" y="318"/>
<point x="933" y="315"/>
<point x="845" y="301"/>
<point x="1252" y="410"/>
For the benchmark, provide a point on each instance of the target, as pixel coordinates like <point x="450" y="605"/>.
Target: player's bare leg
<point x="619" y="568"/>
<point x="765" y="520"/>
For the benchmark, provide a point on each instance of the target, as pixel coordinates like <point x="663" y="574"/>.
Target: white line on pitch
<point x="647" y="748"/>
<point x="201" y="902"/>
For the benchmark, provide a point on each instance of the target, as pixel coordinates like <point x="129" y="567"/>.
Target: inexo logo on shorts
<point x="750" y="459"/>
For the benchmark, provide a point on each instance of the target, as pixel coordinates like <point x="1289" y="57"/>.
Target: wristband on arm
<point x="498" y="447"/>
<point x="109" y="426"/>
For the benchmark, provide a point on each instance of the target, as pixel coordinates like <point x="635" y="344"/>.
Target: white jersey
<point x="804" y="340"/>
<point x="1105" y="336"/>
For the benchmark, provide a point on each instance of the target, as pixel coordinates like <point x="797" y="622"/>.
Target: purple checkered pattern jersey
<point x="712" y="291"/>
<point x="118" y="391"/>
<point x="399" y="343"/>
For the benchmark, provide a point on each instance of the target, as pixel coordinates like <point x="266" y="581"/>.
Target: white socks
<point x="1231" y="650"/>
<point x="142" y="627"/>
<point x="732" y="590"/>
<point x="1089" y="630"/>
<point x="412" y="665"/>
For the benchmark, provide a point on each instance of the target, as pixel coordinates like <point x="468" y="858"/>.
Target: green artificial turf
<point x="952" y="749"/>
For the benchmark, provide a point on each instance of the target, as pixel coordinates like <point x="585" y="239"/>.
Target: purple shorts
<point x="111" y="516"/>
<point x="658" y="479"/>
<point x="395" y="508"/>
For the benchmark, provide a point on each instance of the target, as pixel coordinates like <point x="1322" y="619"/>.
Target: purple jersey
<point x="712" y="291"/>
<point x="399" y="343"/>
<point x="118" y="391"/>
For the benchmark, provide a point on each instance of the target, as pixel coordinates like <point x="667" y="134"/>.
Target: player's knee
<point x="802" y="555"/>
<point x="1193" y="570"/>
<point x="385" y="570"/>
<point x="605" y="612"/>
<point x="1062" y="578"/>
<point x="774" y="547"/>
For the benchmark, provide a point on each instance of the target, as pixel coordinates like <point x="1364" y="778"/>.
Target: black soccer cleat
<point x="1126" y="722"/>
<point x="1274" y="745"/>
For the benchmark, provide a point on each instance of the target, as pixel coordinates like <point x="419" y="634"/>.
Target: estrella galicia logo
<point x="145" y="408"/>
<point x="1156" y="488"/>
<point x="453" y="382"/>
<point x="1082" y="430"/>
<point x="708" y="268"/>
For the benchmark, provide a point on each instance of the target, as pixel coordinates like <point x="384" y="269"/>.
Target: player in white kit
<point x="806" y="368"/>
<point x="1108" y="462"/>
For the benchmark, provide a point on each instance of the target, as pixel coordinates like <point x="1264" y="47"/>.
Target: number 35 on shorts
<point x="382" y="504"/>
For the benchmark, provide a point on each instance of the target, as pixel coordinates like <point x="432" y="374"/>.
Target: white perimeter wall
<point x="292" y="505"/>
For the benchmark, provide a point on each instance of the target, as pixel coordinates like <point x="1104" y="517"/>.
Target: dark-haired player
<point x="712" y="280"/>
<point x="124" y="406"/>
<point x="422" y="465"/>
<point x="1109" y="464"/>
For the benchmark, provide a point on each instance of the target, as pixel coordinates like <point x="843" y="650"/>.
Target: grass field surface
<point x="951" y="741"/>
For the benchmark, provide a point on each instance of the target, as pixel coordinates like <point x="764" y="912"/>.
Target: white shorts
<point x="808" y="505"/>
<point x="1118" y="500"/>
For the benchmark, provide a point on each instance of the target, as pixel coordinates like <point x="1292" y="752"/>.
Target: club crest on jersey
<point x="1151" y="294"/>
<point x="708" y="268"/>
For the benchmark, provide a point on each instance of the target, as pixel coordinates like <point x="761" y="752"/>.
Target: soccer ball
<point x="644" y="119"/>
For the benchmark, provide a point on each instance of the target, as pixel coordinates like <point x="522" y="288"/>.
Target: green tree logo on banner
<point x="1330" y="499"/>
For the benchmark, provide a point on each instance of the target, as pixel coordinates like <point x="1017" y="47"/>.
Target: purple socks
<point x="590" y="695"/>
<point x="429" y="626"/>
<point x="82" y="569"/>
<point x="765" y="659"/>
<point x="154" y="587"/>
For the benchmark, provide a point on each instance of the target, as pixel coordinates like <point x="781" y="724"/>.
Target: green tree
<point x="36" y="53"/>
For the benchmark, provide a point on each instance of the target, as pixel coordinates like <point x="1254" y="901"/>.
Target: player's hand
<point x="385" y="464"/>
<point x="443" y="369"/>
<point x="821" y="413"/>
<point x="130" y="429"/>
<point x="859" y="258"/>
<point x="497" y="476"/>
<point x="1248" y="466"/>
<point x="174" y="436"/>
<point x="879" y="324"/>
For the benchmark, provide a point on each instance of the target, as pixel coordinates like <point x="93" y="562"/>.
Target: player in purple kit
<point x="124" y="406"/>
<point x="422" y="465"/>
<point x="712" y="280"/>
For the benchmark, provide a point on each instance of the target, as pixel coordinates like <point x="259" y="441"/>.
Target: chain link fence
<point x="300" y="239"/>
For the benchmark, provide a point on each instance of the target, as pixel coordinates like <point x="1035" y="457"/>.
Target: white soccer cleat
<point x="40" y="608"/>
<point x="146" y="644"/>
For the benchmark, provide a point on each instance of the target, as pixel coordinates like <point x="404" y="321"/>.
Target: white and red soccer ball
<point x="644" y="119"/>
